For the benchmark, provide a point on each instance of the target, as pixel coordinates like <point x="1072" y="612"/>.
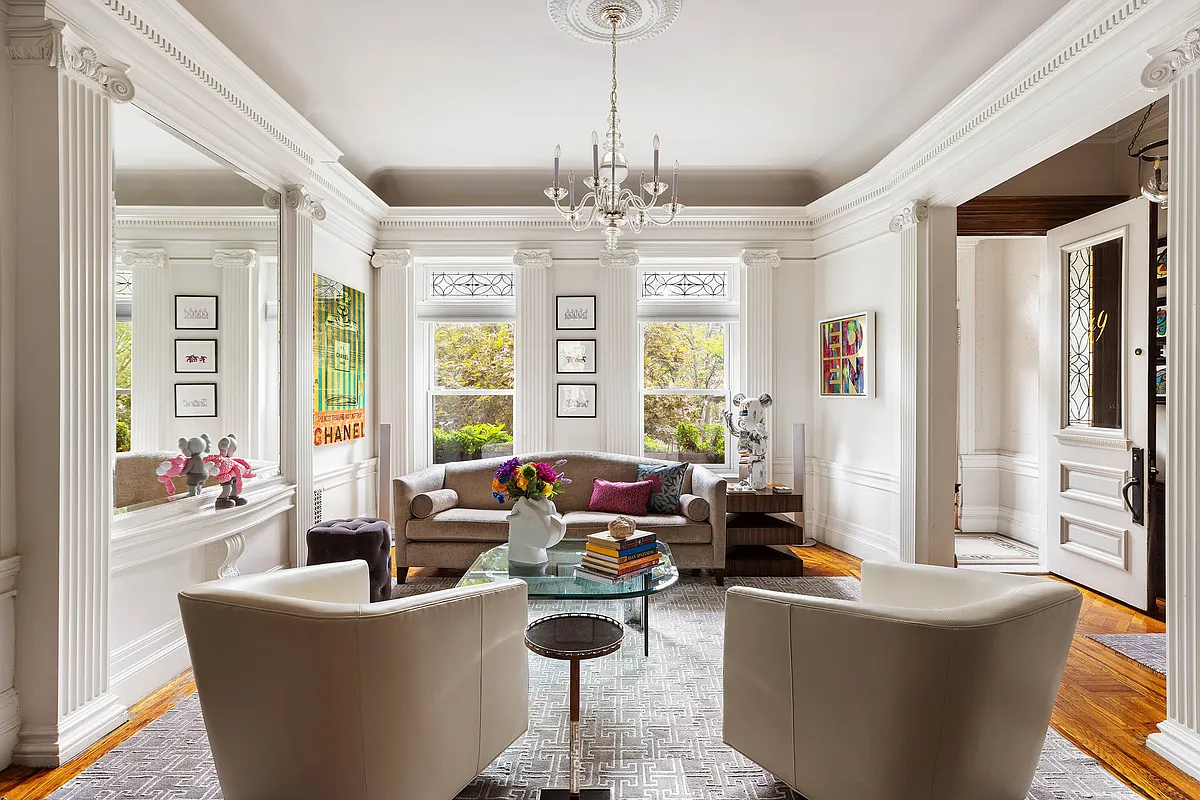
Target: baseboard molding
<point x="10" y="725"/>
<point x="857" y="540"/>
<point x="1022" y="464"/>
<point x="1005" y="520"/>
<point x="132" y="665"/>
<point x="54" y="745"/>
<point x="1177" y="744"/>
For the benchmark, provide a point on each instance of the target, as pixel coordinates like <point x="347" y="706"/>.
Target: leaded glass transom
<point x="1079" y="337"/>
<point x="488" y="285"/>
<point x="124" y="283"/>
<point x="698" y="285"/>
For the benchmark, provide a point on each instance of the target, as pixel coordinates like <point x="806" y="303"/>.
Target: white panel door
<point x="1095" y="404"/>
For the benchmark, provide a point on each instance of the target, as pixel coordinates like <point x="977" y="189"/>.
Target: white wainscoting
<point x="849" y="508"/>
<point x="10" y="718"/>
<point x="349" y="491"/>
<point x="999" y="495"/>
<point x="158" y="552"/>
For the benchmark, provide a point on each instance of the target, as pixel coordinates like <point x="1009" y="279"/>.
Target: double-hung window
<point x="124" y="360"/>
<point x="688" y="316"/>
<point x="467" y="320"/>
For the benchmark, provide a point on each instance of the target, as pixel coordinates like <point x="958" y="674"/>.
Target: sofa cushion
<point x="694" y="508"/>
<point x="665" y="498"/>
<point x="671" y="528"/>
<point x="461" y="525"/>
<point x="429" y="503"/>
<point x="620" y="498"/>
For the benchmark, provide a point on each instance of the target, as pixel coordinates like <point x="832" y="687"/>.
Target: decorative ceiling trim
<point x="912" y="214"/>
<point x="543" y="218"/>
<point x="1007" y="91"/>
<point x="52" y="44"/>
<point x="584" y="19"/>
<point x="533" y="259"/>
<point x="195" y="217"/>
<point x="1166" y="67"/>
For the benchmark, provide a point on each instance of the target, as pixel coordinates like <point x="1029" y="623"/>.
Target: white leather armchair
<point x="938" y="685"/>
<point x="310" y="691"/>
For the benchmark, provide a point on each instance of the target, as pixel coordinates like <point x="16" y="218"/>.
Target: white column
<point x="1178" y="737"/>
<point x="620" y="364"/>
<point x="238" y="352"/>
<point x="65" y="436"/>
<point x="756" y="334"/>
<point x="299" y="210"/>
<point x="926" y="390"/>
<point x="533" y="412"/>
<point x="153" y="346"/>
<point x="396" y="317"/>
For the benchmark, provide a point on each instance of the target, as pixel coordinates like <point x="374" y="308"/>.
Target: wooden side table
<point x="753" y="523"/>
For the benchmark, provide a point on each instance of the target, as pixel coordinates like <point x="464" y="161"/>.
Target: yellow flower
<point x="497" y="486"/>
<point x="522" y="481"/>
<point x="548" y="489"/>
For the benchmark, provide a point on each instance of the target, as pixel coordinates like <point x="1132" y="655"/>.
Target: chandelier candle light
<point x="607" y="203"/>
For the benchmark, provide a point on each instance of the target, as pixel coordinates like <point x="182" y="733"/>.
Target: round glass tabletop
<point x="574" y="636"/>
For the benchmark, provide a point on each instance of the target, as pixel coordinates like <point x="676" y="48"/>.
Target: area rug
<point x="651" y="726"/>
<point x="1148" y="649"/>
<point x="992" y="549"/>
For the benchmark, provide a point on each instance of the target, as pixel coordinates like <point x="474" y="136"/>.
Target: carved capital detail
<point x="301" y="200"/>
<point x="761" y="258"/>
<point x="272" y="200"/>
<point x="401" y="259"/>
<point x="533" y="259"/>
<point x="910" y="215"/>
<point x="620" y="259"/>
<point x="234" y="547"/>
<point x="52" y="44"/>
<point x="1164" y="68"/>
<point x="143" y="258"/>
<point x="235" y="258"/>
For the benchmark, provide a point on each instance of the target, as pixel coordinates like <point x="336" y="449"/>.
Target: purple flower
<point x="506" y="470"/>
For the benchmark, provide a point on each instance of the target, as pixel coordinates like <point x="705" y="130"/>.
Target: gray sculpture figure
<point x="750" y="428"/>
<point x="229" y="497"/>
<point x="195" y="470"/>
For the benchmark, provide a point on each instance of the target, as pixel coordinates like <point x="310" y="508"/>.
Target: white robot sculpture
<point x="750" y="428"/>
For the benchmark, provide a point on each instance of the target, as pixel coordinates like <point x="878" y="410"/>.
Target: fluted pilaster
<point x="533" y="414"/>
<point x="1178" y="739"/>
<point x="238" y="355"/>
<point x="757" y="333"/>
<point x="396" y="313"/>
<point x="151" y="345"/>
<point x="620" y="370"/>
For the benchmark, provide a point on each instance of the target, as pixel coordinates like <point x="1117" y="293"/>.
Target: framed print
<point x="576" y="355"/>
<point x="195" y="400"/>
<point x="339" y="362"/>
<point x="577" y="400"/>
<point x="576" y="313"/>
<point x="1160" y="384"/>
<point x="196" y="312"/>
<point x="847" y="356"/>
<point x="1160" y="262"/>
<point x="1160" y="320"/>
<point x="195" y="355"/>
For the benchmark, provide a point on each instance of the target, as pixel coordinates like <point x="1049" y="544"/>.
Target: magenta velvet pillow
<point x="620" y="498"/>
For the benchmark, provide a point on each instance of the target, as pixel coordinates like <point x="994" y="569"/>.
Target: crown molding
<point x="537" y="217"/>
<point x="1167" y="66"/>
<point x="192" y="217"/>
<point x="533" y="259"/>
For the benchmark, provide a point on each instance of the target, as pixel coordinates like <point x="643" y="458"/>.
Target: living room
<point x="653" y="251"/>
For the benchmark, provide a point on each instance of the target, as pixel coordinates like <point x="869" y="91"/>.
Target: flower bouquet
<point x="534" y="524"/>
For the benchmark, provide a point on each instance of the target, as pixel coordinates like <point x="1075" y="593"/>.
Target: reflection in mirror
<point x="1093" y="316"/>
<point x="196" y="346"/>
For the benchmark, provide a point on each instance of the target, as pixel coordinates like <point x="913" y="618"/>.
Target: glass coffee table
<point x="556" y="579"/>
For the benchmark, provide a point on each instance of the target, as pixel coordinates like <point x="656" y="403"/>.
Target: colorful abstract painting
<point x="1160" y="322"/>
<point x="1161" y="263"/>
<point x="846" y="356"/>
<point x="339" y="362"/>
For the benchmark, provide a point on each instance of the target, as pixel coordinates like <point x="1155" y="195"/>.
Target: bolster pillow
<point x="693" y="507"/>
<point x="429" y="503"/>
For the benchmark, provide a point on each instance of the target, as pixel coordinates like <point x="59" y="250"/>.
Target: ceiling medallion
<point x="585" y="19"/>
<point x="608" y="204"/>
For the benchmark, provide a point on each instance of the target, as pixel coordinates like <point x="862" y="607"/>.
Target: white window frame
<point x="725" y="311"/>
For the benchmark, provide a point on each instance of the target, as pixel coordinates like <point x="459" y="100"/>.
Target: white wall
<point x="344" y="472"/>
<point x="580" y="278"/>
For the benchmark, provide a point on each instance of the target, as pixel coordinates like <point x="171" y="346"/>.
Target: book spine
<point x="604" y="540"/>
<point x="588" y="574"/>
<point x="591" y="547"/>
<point x="624" y="570"/>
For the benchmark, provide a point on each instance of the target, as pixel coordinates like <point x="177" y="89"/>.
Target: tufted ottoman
<point x="363" y="538"/>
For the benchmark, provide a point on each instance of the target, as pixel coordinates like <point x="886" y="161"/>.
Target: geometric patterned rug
<point x="651" y="726"/>
<point x="1148" y="649"/>
<point x="991" y="548"/>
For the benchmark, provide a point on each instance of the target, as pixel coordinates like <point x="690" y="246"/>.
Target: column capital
<point x="620" y="259"/>
<point x="533" y="259"/>
<point x="401" y="259"/>
<point x="144" y="258"/>
<point x="55" y="45"/>
<point x="235" y="258"/>
<point x="768" y="258"/>
<point x="298" y="198"/>
<point x="1173" y="62"/>
<point x="911" y="214"/>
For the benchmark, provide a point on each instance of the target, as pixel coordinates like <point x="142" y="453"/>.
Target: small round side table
<point x="574" y="638"/>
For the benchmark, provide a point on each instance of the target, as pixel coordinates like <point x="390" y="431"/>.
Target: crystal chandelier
<point x="607" y="203"/>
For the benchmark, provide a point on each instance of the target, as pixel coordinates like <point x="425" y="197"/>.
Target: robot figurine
<point x="750" y="428"/>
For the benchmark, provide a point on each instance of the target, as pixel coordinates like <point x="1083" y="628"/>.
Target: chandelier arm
<point x="663" y="222"/>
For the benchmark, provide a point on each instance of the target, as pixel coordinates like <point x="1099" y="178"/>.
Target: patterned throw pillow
<point x="619" y="498"/>
<point x="670" y="476"/>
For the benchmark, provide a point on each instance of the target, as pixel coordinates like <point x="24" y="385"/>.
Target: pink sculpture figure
<point x="227" y="469"/>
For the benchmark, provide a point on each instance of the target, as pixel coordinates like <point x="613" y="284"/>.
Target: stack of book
<point x="609" y="560"/>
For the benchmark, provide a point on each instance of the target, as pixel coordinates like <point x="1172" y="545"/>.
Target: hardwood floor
<point x="1107" y="704"/>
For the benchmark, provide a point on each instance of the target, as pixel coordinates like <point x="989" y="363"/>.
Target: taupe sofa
<point x="466" y="523"/>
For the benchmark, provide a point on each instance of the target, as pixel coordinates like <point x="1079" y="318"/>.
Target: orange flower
<point x="497" y="486"/>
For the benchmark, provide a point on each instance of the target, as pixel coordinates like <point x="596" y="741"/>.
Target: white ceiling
<point x="139" y="143"/>
<point x="826" y="88"/>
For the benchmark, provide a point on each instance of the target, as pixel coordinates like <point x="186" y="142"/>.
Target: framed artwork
<point x="195" y="400"/>
<point x="575" y="313"/>
<point x="577" y="400"/>
<point x="1160" y="384"/>
<point x="1160" y="322"/>
<point x="196" y="312"/>
<point x="576" y="355"/>
<point x="339" y="362"/>
<point x="1160" y="264"/>
<point x="195" y="355"/>
<point x="847" y="356"/>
